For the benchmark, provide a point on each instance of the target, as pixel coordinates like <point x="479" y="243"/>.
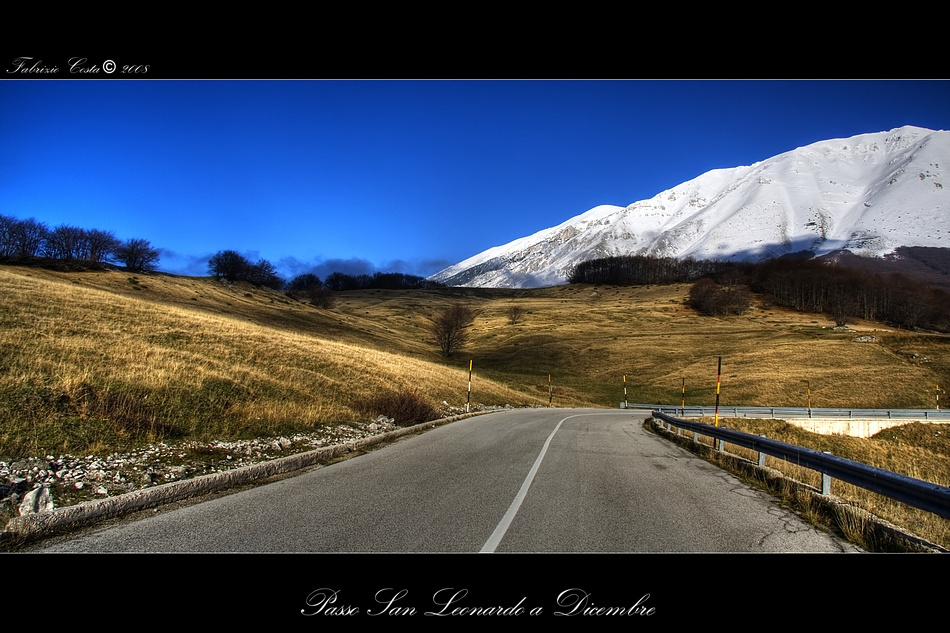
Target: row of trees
<point x="846" y="293"/>
<point x="233" y="266"/>
<point x="822" y="287"/>
<point x="379" y="281"/>
<point x="807" y="285"/>
<point x="635" y="270"/>
<point x="29" y="239"/>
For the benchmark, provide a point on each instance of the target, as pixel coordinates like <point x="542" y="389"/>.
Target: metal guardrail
<point x="915" y="492"/>
<point x="798" y="412"/>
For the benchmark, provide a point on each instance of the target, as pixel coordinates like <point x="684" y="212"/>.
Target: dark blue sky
<point x="407" y="176"/>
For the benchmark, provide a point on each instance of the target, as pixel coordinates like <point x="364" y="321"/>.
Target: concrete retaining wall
<point x="854" y="428"/>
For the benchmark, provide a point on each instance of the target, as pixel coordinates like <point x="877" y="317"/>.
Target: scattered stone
<point x="36" y="501"/>
<point x="84" y="478"/>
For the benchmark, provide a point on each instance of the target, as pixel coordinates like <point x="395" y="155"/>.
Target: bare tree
<point x="229" y="264"/>
<point x="67" y="243"/>
<point x="451" y="328"/>
<point x="302" y="284"/>
<point x="515" y="314"/>
<point x="102" y="245"/>
<point x="137" y="255"/>
<point x="264" y="273"/>
<point x="7" y="227"/>
<point x="27" y="238"/>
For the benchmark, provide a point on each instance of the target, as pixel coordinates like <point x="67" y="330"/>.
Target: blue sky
<point x="391" y="175"/>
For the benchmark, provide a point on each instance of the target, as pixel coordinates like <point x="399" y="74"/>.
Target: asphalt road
<point x="528" y="480"/>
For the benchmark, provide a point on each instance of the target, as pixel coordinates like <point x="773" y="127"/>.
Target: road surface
<point x="525" y="480"/>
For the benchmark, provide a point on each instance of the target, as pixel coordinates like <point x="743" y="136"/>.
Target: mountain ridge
<point x="869" y="194"/>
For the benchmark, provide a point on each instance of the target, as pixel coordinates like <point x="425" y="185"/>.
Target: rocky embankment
<point x="68" y="479"/>
<point x="39" y="484"/>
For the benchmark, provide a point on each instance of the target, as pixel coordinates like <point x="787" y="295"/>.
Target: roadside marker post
<point x="683" y="404"/>
<point x="718" y="383"/>
<point x="717" y="443"/>
<point x="468" y="403"/>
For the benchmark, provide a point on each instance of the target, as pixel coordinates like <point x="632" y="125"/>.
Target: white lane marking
<point x="492" y="543"/>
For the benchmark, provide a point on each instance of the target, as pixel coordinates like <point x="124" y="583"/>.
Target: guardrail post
<point x="695" y="436"/>
<point x="761" y="456"/>
<point x="826" y="480"/>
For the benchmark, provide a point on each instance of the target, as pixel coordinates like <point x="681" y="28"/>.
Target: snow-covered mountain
<point x="869" y="194"/>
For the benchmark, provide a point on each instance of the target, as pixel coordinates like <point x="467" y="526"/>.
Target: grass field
<point x="90" y="361"/>
<point x="588" y="338"/>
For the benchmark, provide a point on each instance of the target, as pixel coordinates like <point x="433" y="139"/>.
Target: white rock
<point x="36" y="501"/>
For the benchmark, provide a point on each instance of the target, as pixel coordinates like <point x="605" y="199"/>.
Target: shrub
<point x="713" y="299"/>
<point x="310" y="287"/>
<point x="407" y="407"/>
<point x="322" y="298"/>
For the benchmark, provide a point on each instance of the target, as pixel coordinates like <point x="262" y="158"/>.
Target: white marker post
<point x="468" y="403"/>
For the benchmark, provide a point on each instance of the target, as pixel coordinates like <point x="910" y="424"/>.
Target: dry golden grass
<point x="91" y="367"/>
<point x="91" y="361"/>
<point x="589" y="338"/>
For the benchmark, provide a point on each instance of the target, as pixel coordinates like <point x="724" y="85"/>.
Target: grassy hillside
<point x="91" y="361"/>
<point x="589" y="337"/>
<point x="95" y="361"/>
